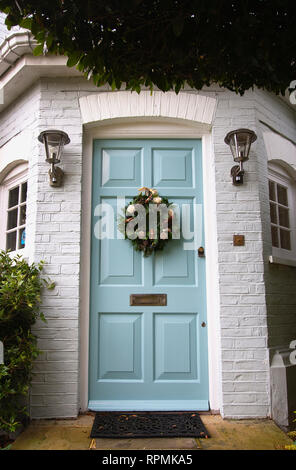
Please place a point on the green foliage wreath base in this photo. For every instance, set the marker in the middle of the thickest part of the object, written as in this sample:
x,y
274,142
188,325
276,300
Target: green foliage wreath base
x,y
146,243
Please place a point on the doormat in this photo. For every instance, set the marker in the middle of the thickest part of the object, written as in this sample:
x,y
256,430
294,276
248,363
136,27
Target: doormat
x,y
148,424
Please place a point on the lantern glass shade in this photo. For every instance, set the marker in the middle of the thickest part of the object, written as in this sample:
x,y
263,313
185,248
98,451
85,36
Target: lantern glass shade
x,y
54,142
240,143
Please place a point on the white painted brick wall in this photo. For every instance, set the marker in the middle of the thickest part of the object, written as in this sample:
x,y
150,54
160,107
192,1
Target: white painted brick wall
x,y
245,379
54,224
56,379
55,390
279,279
22,115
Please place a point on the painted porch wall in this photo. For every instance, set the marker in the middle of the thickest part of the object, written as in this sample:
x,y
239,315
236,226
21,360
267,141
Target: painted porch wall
x,y
245,365
19,124
54,223
280,280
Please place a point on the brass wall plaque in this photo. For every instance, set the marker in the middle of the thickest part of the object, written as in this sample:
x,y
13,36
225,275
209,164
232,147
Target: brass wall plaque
x,y
238,240
148,299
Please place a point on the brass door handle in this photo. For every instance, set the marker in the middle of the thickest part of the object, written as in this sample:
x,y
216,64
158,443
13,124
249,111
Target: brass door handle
x,y
201,252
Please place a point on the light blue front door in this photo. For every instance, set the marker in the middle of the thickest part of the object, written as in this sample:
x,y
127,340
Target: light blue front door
x,y
151,357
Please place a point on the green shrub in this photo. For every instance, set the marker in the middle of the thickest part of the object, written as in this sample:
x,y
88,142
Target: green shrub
x,y
292,435
20,298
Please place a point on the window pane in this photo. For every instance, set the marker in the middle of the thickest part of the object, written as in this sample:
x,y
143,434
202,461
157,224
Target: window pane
x,y
284,217
282,195
11,241
12,219
23,214
24,192
274,237
22,238
273,213
271,190
13,197
285,239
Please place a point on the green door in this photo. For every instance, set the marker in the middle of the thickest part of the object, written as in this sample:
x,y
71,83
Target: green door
x,y
151,357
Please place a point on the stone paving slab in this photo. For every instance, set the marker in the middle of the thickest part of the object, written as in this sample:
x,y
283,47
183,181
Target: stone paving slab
x,y
176,443
74,434
261,434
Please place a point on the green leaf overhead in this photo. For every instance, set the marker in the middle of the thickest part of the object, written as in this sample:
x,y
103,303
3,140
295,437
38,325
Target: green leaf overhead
x,y
167,43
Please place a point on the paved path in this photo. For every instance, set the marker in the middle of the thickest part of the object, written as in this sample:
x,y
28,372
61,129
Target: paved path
x,y
74,434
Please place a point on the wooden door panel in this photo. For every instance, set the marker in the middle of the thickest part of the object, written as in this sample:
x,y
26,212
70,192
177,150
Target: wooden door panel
x,y
147,357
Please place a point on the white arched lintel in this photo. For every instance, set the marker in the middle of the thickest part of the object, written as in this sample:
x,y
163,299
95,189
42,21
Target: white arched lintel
x,y
15,151
180,107
278,164
12,168
280,150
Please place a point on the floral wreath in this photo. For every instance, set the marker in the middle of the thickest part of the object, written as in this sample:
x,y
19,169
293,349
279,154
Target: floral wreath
x,y
148,240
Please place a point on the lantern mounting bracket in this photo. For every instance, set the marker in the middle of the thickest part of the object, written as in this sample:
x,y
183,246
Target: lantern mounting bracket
x,y
56,176
237,174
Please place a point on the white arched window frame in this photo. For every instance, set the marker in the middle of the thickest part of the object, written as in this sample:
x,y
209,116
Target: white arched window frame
x,y
13,209
282,196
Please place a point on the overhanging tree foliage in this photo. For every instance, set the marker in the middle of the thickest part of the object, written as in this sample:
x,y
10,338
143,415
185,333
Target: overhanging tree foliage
x,y
166,43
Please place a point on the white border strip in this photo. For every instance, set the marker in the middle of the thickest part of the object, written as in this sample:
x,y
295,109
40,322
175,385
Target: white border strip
x,y
150,130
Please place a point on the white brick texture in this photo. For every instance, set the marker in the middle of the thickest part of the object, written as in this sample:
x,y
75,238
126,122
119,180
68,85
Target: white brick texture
x,y
279,279
248,325
244,363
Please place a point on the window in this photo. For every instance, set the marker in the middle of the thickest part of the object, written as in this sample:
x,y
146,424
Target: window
x,y
279,216
282,213
13,199
16,217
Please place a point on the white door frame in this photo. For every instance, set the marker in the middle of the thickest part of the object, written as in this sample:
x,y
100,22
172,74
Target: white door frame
x,y
157,127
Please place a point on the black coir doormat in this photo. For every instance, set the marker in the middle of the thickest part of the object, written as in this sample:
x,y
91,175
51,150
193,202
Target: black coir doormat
x,y
147,424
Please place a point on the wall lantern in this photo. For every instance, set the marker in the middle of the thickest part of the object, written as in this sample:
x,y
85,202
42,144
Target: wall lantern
x,y
54,142
240,142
